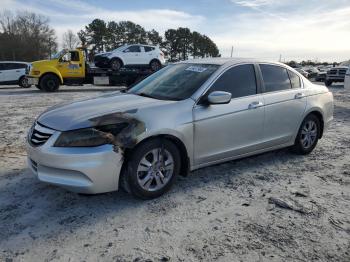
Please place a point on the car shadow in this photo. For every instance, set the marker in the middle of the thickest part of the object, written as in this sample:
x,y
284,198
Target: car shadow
x,y
36,210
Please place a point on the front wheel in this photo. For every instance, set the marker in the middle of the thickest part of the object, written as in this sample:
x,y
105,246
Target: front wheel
x,y
308,135
49,83
152,169
115,64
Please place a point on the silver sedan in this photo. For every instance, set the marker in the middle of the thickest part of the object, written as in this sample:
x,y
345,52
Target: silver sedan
x,y
188,115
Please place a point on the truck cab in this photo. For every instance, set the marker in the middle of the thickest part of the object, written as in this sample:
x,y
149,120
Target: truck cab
x,y
66,67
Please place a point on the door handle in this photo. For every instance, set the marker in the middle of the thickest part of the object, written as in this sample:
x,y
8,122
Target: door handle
x,y
299,95
255,104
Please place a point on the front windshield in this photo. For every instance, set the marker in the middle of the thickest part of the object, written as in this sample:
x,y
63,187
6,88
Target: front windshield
x,y
174,82
59,54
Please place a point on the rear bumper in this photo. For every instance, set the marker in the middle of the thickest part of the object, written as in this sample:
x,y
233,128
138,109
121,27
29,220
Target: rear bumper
x,y
89,170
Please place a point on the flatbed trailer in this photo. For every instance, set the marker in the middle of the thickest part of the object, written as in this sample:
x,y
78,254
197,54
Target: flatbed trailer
x,y
70,67
123,77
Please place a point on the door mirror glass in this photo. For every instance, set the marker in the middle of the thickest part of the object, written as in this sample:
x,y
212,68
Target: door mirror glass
x,y
219,97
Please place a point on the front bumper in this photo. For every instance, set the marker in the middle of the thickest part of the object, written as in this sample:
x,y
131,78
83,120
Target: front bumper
x,y
89,170
32,80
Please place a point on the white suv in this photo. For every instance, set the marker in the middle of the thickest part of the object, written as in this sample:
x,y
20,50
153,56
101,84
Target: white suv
x,y
13,73
131,55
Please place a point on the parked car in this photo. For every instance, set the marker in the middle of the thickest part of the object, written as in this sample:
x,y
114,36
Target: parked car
x,y
186,116
131,55
336,74
312,72
347,79
13,73
303,72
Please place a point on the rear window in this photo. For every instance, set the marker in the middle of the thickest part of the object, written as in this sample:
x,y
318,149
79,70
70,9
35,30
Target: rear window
x,y
275,78
294,79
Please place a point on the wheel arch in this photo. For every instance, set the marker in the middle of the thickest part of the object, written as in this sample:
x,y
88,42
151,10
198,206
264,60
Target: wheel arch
x,y
318,113
185,160
117,58
52,73
154,59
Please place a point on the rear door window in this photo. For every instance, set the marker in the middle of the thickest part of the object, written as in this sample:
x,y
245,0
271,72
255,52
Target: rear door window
x,y
148,48
275,78
294,79
240,81
133,49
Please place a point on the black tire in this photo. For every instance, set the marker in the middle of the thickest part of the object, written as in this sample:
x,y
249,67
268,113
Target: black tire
x,y
38,86
299,146
328,83
115,64
23,82
130,180
49,83
155,65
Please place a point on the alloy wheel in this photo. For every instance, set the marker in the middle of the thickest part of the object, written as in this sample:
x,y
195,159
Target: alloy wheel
x,y
155,169
308,134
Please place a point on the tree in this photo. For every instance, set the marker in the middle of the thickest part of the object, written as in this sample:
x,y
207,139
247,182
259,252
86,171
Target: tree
x,y
96,33
70,40
154,38
26,36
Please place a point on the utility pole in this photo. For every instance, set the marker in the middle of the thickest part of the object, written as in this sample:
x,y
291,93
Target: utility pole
x,y
280,60
231,51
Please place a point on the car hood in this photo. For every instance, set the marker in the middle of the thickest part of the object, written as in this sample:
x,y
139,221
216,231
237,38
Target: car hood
x,y
88,113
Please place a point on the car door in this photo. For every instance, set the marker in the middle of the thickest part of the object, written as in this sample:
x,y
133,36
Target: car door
x,y
70,65
7,72
18,70
132,55
2,72
285,103
149,54
233,129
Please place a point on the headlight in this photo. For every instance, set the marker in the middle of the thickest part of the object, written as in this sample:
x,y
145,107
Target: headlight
x,y
89,137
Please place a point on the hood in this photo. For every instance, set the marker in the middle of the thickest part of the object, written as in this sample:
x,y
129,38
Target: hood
x,y
86,113
46,62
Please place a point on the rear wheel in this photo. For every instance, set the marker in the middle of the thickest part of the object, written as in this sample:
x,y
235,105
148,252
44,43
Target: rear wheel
x,y
308,135
152,169
115,64
23,82
155,65
49,83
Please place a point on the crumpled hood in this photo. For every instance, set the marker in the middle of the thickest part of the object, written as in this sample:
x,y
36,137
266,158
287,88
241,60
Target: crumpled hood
x,y
83,114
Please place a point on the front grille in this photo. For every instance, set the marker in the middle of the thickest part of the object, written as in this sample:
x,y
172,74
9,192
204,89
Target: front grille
x,y
342,71
39,134
34,165
333,72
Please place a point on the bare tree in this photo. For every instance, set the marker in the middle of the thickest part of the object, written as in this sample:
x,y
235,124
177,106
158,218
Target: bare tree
x,y
70,40
25,36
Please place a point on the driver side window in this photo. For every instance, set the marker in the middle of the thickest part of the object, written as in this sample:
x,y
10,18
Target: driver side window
x,y
240,81
66,57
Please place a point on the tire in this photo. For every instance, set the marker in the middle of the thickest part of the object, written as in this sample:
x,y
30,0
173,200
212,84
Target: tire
x,y
38,86
328,82
115,64
155,65
308,135
23,82
49,83
146,177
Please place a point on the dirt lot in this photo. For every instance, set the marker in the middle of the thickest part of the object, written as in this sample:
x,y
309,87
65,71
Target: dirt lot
x,y
272,207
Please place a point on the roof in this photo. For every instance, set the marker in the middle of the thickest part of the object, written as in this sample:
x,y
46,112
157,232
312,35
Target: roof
x,y
16,62
225,61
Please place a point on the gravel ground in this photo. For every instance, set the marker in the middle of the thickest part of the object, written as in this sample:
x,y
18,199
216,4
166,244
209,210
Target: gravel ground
x,y
272,207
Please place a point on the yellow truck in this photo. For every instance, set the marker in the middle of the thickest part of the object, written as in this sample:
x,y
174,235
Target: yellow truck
x,y
70,67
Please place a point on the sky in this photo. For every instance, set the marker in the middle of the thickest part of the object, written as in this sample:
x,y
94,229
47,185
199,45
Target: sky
x,y
293,29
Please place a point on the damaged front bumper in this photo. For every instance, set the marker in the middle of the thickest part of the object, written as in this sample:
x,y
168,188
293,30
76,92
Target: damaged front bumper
x,y
89,170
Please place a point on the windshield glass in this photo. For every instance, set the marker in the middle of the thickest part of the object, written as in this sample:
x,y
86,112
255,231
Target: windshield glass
x,y
174,82
59,54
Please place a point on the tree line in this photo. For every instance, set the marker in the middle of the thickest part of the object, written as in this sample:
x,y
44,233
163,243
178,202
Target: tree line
x,y
28,36
179,44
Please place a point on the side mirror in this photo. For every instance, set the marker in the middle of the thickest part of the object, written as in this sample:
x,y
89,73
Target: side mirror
x,y
219,97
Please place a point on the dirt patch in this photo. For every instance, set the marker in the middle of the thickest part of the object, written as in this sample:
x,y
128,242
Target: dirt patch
x,y
272,207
